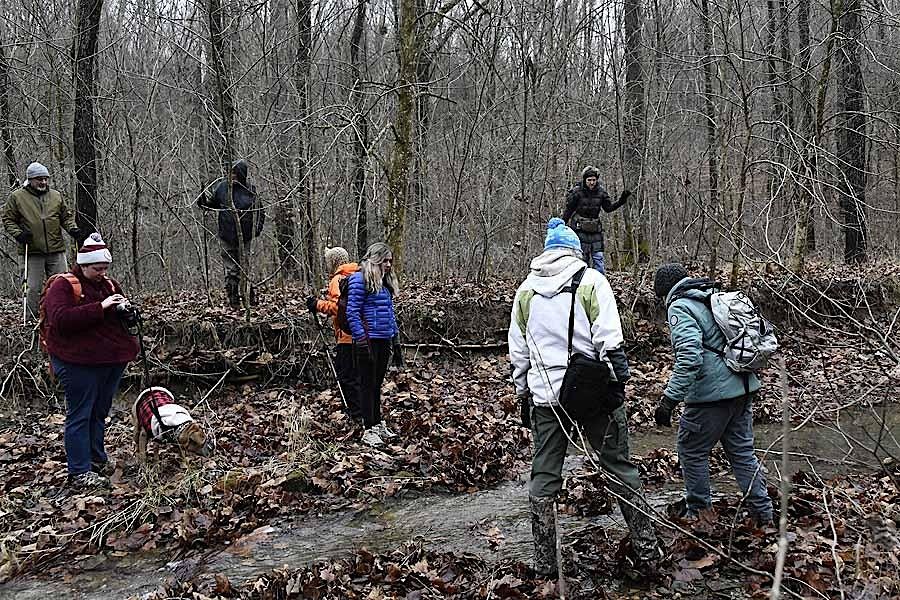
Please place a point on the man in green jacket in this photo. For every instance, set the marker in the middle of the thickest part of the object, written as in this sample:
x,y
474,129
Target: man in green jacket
x,y
718,401
35,216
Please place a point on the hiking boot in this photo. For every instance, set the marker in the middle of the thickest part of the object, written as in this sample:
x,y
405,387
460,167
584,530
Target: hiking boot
x,y
106,469
385,433
88,481
543,530
641,570
371,438
762,521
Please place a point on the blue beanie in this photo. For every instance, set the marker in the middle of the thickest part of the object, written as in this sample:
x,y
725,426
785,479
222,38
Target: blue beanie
x,y
560,236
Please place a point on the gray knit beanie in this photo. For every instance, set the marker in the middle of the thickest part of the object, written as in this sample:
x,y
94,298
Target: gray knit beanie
x,y
335,257
666,277
36,169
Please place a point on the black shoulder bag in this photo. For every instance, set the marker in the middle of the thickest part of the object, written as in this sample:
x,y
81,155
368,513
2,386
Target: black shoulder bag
x,y
585,387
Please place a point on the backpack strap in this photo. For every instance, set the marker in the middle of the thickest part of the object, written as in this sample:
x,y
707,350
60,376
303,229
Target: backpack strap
x,y
573,289
73,280
707,302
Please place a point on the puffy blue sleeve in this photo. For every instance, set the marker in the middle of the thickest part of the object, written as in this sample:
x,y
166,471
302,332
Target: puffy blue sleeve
x,y
356,295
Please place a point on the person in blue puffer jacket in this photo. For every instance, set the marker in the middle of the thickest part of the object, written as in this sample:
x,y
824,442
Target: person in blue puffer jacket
x,y
373,325
718,401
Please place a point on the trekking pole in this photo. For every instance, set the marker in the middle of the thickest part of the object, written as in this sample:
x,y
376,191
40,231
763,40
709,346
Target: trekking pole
x,y
25,289
329,361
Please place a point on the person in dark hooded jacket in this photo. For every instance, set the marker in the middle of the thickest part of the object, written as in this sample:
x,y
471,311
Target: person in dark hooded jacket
x,y
582,214
245,211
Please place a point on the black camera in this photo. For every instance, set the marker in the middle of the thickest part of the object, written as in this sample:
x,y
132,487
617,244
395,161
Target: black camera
x,y
129,315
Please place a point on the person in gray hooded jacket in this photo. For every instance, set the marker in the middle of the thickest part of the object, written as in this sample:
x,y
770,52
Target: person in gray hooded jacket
x,y
718,401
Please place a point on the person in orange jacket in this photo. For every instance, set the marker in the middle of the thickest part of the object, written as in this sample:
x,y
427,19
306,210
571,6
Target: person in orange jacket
x,y
338,265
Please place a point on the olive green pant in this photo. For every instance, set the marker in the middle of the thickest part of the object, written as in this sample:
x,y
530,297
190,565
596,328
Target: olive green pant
x,y
608,436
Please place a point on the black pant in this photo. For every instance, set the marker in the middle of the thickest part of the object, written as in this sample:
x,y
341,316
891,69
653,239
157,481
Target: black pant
x,y
348,379
372,366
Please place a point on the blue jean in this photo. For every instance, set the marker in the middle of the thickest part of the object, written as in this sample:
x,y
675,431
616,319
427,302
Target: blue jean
x,y
89,393
731,423
592,256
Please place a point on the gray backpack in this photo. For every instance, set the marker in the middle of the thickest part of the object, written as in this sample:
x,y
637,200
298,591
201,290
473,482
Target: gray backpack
x,y
749,337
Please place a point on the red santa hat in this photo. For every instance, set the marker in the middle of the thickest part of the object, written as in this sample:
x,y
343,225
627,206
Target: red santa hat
x,y
93,250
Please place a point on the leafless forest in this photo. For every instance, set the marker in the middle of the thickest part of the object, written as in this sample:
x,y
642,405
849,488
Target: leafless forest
x,y
750,131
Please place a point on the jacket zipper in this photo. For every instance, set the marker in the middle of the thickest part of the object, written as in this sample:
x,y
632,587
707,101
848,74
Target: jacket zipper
x,y
44,224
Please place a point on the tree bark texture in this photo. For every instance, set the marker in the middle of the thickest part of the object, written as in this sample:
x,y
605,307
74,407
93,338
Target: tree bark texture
x,y
360,132
851,135
302,83
636,241
5,135
84,54
712,131
398,173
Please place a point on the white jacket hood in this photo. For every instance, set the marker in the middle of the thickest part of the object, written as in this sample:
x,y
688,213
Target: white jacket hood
x,y
538,331
553,270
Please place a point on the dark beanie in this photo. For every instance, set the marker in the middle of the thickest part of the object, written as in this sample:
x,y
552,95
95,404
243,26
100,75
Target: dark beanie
x,y
666,277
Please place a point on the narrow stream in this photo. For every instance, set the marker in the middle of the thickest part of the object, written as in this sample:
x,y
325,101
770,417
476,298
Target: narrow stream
x,y
456,523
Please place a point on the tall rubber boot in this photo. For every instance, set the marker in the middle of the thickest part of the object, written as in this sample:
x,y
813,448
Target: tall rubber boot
x,y
645,562
543,529
233,291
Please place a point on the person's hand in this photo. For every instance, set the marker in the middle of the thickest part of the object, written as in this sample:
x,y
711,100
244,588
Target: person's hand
x,y
525,409
74,233
361,349
114,300
397,352
616,393
311,303
24,237
624,196
663,414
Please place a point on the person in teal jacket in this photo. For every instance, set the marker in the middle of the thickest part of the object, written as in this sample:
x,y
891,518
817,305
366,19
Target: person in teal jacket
x,y
718,401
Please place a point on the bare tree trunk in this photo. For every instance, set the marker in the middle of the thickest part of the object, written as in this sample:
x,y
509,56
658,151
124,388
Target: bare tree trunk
x,y
851,136
779,108
84,54
221,67
712,132
807,160
398,174
360,134
136,206
301,80
635,127
5,136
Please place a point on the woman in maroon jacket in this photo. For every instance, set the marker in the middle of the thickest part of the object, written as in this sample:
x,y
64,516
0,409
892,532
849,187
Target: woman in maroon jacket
x,y
89,348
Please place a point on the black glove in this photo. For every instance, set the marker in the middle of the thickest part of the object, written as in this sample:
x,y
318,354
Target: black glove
x,y
311,303
75,232
663,414
525,409
397,352
616,393
624,196
24,237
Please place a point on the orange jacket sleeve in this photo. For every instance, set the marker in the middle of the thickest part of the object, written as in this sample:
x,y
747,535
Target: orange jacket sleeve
x,y
329,305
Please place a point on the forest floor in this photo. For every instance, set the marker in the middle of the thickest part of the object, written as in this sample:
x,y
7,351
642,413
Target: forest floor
x,y
290,471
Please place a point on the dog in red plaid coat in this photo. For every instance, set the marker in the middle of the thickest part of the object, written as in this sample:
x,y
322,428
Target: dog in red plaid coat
x,y
177,425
